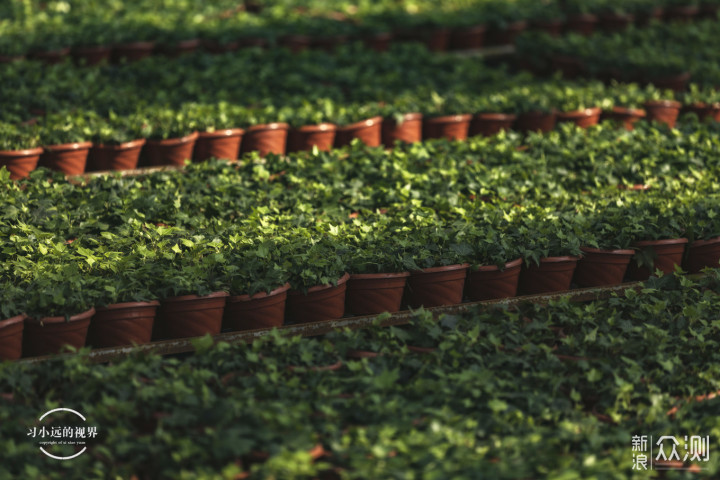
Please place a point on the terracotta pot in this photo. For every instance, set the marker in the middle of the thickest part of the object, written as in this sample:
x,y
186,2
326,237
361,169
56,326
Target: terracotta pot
x,y
51,57
20,162
132,51
582,118
615,22
179,48
602,267
507,35
323,302
626,116
552,27
328,44
216,47
172,151
570,67
266,138
584,24
122,324
306,137
11,337
262,310
368,131
115,157
409,131
436,286
676,83
218,144
451,127
644,18
190,316
11,58
69,158
701,254
47,335
488,282
380,42
536,122
91,55
554,274
468,38
703,110
681,13
374,293
437,40
252,42
708,11
663,111
489,124
668,254
296,43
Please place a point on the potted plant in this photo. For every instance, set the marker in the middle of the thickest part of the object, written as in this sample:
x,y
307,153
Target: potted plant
x,y
547,17
504,22
14,42
614,16
533,105
65,143
172,137
661,106
219,135
136,41
12,318
468,31
359,120
704,102
581,16
92,44
703,234
267,133
49,43
579,104
494,115
177,40
446,117
681,10
624,103
402,120
311,126
19,149
117,142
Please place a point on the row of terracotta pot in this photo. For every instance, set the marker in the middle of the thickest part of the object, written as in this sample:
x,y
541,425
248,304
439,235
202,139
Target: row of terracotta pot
x,y
279,138
362,294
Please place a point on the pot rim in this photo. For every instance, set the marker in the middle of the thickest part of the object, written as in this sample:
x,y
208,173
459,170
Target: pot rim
x,y
246,297
90,48
629,111
183,298
585,112
74,318
318,288
443,268
663,103
174,141
588,17
665,241
140,45
702,243
560,259
61,147
268,126
28,152
409,116
619,251
538,113
368,122
223,132
478,28
495,116
459,117
124,305
373,276
508,265
122,146
319,127
13,320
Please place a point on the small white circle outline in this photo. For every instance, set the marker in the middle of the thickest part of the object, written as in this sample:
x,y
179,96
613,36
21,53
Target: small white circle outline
x,y
63,410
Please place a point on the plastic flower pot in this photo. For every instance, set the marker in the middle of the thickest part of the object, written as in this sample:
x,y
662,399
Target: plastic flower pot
x,y
468,38
373,293
380,42
328,43
322,302
489,282
703,110
663,111
584,24
262,310
11,337
667,253
368,131
677,83
409,131
701,254
51,57
266,138
582,118
182,47
215,47
48,335
122,324
536,122
90,55
570,67
436,286
20,162
648,15
307,137
218,144
132,52
451,127
552,27
681,13
507,35
68,158
171,151
554,274
615,22
602,267
626,116
115,157
488,124
190,316
296,43
708,11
